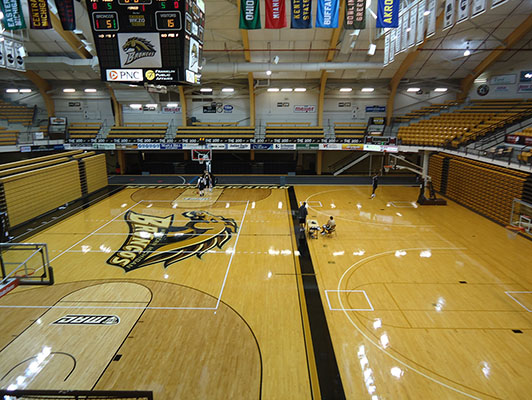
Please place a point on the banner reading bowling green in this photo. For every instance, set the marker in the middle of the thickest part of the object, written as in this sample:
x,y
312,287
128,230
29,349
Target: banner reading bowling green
x,y
13,17
327,14
39,14
249,14
355,14
65,9
301,14
388,14
275,14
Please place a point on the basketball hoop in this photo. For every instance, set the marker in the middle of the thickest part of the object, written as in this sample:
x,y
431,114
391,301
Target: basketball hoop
x,y
387,168
201,155
512,231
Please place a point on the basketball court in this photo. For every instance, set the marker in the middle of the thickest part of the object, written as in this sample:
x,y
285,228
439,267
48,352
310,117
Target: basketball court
x,y
203,297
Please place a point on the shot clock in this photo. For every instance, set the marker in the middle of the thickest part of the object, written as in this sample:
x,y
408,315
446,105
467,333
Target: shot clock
x,y
154,41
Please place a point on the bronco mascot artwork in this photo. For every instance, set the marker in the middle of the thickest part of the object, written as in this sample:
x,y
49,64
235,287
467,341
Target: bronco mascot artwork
x,y
137,47
153,239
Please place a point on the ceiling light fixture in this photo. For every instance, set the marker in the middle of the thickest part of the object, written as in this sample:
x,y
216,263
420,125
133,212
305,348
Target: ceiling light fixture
x,y
151,105
440,89
367,89
467,52
300,89
12,91
346,89
69,90
427,12
413,89
171,105
25,91
89,90
228,90
286,89
205,90
268,72
408,29
135,106
273,89
371,49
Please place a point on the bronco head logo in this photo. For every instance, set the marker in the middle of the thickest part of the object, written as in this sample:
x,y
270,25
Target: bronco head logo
x,y
136,48
154,239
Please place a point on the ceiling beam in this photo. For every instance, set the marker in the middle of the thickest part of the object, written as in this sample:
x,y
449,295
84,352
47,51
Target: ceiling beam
x,y
321,98
44,87
183,101
510,40
403,69
69,37
336,33
251,87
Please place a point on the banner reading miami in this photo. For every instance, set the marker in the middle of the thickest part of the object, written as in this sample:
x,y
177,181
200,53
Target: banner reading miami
x,y
249,14
327,14
275,14
13,17
388,14
301,14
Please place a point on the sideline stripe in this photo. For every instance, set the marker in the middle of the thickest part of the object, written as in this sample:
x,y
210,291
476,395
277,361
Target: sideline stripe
x,y
328,374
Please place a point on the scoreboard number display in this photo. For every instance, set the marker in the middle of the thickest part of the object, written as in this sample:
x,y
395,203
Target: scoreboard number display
x,y
152,41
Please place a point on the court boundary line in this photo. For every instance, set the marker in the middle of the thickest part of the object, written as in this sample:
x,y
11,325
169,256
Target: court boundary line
x,y
517,301
349,291
370,340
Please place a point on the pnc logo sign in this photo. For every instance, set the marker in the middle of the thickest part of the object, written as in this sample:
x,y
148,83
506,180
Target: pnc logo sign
x,y
120,75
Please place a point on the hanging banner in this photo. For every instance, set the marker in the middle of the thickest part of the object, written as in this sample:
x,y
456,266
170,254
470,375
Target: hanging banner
x,y
391,56
13,17
398,36
18,49
420,33
39,14
249,14
355,14
448,18
301,14
463,11
275,14
388,14
10,54
479,6
404,26
412,27
497,3
431,25
2,55
327,14
65,9
386,49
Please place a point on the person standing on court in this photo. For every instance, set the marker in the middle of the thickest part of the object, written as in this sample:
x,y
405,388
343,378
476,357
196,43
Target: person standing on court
x,y
303,212
375,181
202,184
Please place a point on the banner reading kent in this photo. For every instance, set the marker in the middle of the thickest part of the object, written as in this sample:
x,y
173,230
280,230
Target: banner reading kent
x,y
327,14
39,14
388,14
301,14
13,17
249,14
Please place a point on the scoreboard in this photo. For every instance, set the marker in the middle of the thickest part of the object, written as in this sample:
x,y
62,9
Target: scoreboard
x,y
152,41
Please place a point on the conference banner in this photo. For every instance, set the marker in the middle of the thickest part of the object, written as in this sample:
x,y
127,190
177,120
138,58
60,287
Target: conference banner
x,y
463,11
2,55
391,56
301,14
355,14
386,49
388,13
65,9
249,14
448,18
327,14
39,14
497,3
404,33
13,17
420,32
275,14
479,6
411,41
431,25
398,36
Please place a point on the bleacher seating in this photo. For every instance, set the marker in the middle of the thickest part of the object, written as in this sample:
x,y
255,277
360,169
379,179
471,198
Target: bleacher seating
x,y
15,114
139,130
8,137
433,108
350,130
293,130
84,130
215,130
466,124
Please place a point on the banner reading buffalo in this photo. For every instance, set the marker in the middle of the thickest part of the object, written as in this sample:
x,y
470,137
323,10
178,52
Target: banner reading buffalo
x,y
249,14
13,17
327,14
355,14
301,14
388,14
65,9
39,14
275,14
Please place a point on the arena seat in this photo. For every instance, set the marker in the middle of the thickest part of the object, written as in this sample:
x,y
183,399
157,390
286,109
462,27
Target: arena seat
x,y
283,130
139,130
350,130
84,130
16,114
215,130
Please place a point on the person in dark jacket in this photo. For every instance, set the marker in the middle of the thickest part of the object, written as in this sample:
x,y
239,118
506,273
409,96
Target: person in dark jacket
x,y
303,212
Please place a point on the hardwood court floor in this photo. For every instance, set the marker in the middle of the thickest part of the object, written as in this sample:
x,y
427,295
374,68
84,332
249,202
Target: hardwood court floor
x,y
419,301
229,324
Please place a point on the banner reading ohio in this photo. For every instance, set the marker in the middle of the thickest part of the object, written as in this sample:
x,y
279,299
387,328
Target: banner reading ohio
x,y
249,14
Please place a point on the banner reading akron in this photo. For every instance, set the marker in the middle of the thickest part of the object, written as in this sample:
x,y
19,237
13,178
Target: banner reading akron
x,y
388,14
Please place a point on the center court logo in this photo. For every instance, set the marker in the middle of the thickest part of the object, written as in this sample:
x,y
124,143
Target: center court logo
x,y
153,239
88,320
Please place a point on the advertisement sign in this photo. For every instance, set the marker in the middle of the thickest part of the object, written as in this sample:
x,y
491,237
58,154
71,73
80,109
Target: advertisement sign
x,y
284,146
503,79
238,146
262,146
379,109
525,88
330,146
353,146
305,109
124,75
525,76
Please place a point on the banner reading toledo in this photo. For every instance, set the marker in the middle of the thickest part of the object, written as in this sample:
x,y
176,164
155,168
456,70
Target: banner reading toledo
x,y
249,14
388,14
327,14
301,14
